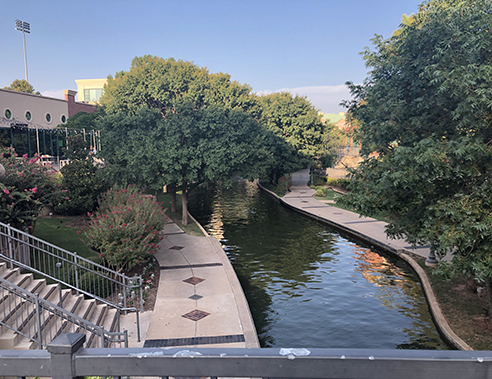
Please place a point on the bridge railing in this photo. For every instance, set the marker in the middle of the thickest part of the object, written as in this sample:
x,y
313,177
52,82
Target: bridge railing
x,y
65,358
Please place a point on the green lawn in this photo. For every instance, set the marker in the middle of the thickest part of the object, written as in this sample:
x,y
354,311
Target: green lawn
x,y
192,229
56,231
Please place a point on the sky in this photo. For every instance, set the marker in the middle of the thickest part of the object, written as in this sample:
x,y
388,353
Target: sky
x,y
306,47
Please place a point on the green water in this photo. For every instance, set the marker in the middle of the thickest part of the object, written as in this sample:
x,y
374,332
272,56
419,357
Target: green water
x,y
309,286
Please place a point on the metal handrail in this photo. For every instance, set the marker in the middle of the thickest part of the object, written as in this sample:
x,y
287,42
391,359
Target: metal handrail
x,y
21,249
41,321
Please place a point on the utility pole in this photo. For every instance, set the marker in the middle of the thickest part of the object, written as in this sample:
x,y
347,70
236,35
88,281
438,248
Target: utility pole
x,y
23,27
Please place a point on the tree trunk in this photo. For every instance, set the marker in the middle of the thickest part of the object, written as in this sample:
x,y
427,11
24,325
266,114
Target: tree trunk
x,y
172,190
184,202
274,179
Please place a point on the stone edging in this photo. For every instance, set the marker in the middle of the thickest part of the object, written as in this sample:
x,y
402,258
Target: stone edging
x,y
434,307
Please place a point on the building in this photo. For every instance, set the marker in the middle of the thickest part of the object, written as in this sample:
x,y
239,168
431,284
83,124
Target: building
x,y
29,122
343,124
35,111
90,90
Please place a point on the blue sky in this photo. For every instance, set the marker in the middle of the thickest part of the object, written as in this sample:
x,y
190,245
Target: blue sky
x,y
307,47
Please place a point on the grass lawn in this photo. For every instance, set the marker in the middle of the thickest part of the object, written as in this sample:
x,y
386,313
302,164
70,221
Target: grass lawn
x,y
192,229
60,232
464,310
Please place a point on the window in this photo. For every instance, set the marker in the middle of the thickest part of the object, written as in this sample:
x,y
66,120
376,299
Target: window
x,y
48,118
92,95
28,116
8,114
63,119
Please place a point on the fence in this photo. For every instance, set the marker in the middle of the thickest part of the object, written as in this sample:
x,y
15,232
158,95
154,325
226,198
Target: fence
x,y
40,321
65,358
23,250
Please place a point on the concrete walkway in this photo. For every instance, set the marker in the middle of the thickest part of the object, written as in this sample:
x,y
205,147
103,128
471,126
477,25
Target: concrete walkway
x,y
369,229
199,301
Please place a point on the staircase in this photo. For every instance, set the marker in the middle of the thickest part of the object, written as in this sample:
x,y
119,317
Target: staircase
x,y
85,297
33,313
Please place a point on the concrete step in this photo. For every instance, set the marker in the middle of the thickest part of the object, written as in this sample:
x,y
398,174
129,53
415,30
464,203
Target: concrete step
x,y
21,314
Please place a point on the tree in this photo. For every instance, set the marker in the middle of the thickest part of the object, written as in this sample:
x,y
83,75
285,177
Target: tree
x,y
161,114
22,85
425,109
295,120
131,147
154,82
81,180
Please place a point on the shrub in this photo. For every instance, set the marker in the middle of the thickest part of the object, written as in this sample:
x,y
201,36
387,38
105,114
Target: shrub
x,y
320,191
342,182
318,181
284,183
126,229
25,189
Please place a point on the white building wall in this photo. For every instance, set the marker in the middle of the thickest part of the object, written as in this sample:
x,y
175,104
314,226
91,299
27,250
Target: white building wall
x,y
41,109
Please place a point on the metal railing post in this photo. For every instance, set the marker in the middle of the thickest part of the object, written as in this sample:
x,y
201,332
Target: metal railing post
x,y
141,294
76,261
38,322
138,325
126,337
62,349
11,256
60,294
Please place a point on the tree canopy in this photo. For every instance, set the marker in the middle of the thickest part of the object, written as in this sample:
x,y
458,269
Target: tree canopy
x,y
294,119
171,122
160,83
426,110
22,85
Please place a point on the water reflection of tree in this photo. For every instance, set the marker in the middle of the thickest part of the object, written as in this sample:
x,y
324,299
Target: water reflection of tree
x,y
398,289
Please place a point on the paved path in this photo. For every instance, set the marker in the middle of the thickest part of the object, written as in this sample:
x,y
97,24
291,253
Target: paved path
x,y
368,228
199,301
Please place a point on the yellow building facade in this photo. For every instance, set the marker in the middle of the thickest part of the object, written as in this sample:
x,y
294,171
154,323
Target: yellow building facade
x,y
90,90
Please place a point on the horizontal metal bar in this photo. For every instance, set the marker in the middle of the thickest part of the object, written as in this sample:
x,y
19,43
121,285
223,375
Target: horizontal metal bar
x,y
288,363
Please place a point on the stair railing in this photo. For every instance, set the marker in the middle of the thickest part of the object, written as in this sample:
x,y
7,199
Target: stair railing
x,y
115,289
41,321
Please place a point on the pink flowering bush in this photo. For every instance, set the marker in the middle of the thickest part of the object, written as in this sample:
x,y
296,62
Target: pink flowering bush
x,y
25,189
284,184
126,229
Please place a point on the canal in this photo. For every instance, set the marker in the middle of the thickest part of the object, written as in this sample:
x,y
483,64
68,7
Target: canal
x,y
307,285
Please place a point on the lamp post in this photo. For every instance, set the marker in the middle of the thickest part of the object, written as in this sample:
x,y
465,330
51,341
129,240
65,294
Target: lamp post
x,y
23,27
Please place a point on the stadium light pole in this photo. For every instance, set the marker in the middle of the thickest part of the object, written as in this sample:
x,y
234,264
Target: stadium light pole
x,y
23,27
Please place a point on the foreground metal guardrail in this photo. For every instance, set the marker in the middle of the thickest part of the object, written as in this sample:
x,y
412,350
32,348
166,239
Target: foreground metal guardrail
x,y
41,321
65,358
20,249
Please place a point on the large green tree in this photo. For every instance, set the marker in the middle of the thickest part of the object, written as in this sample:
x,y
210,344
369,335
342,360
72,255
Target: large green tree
x,y
294,119
426,109
22,85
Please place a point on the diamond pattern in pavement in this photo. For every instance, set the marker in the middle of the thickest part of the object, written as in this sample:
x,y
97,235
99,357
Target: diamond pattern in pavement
x,y
194,280
195,315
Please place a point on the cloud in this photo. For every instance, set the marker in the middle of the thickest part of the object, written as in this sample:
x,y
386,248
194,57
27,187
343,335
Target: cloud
x,y
325,98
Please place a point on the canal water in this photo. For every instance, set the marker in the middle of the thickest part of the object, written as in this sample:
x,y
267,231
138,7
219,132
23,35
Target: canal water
x,y
309,286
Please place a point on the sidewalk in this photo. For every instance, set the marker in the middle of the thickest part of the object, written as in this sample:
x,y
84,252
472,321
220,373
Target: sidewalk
x,y
369,229
199,301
